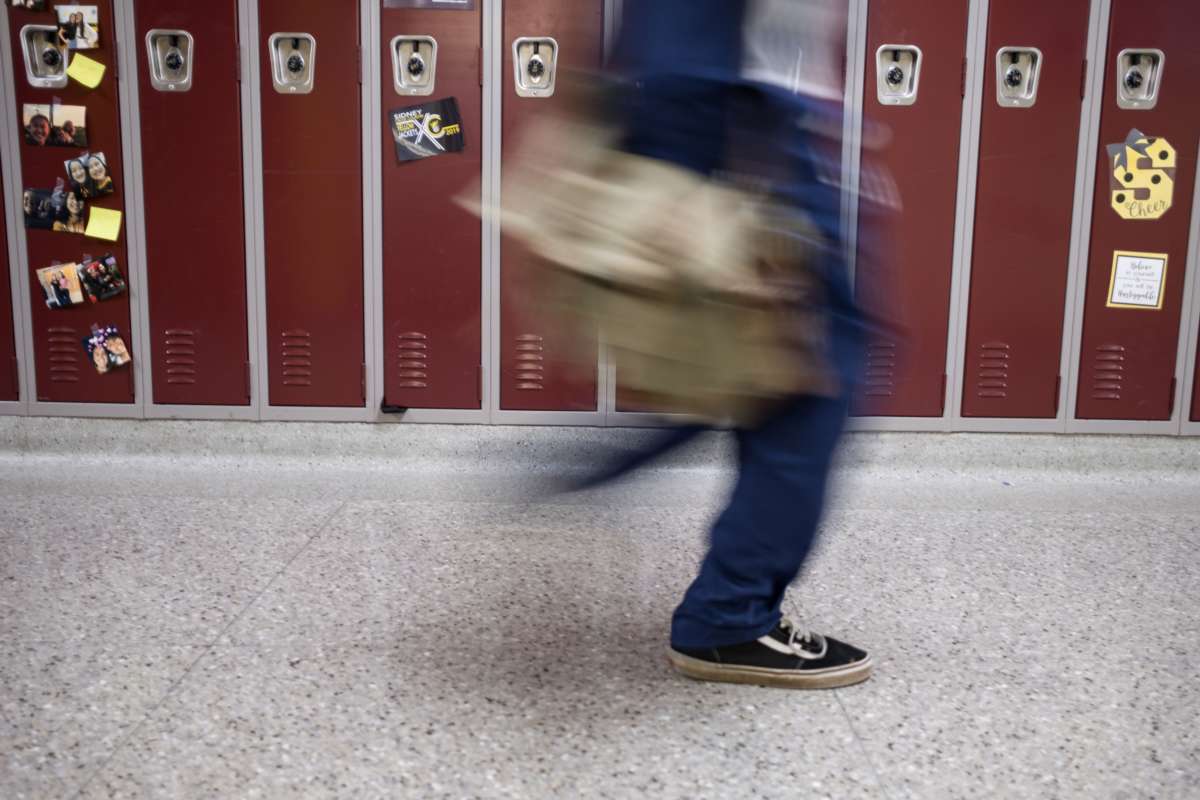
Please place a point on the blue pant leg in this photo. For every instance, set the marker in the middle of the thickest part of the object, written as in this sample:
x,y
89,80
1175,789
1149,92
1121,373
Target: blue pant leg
x,y
761,539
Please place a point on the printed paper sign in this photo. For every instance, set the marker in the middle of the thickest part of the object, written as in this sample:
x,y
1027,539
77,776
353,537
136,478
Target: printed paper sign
x,y
429,129
1138,280
1142,176
458,5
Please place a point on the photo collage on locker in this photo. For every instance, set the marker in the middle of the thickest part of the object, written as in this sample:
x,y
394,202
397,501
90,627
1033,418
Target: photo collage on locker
x,y
72,202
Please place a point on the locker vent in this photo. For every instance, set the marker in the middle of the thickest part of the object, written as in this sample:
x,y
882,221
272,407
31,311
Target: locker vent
x,y
530,367
413,361
180,348
66,346
1108,372
992,379
297,358
880,380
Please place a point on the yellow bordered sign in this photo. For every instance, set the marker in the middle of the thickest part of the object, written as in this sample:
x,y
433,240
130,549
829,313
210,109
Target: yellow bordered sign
x,y
1138,280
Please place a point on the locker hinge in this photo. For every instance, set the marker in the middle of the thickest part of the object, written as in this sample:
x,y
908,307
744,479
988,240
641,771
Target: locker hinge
x,y
16,374
1171,400
479,61
237,63
360,67
1057,393
249,383
945,383
116,61
479,388
962,83
1083,80
363,383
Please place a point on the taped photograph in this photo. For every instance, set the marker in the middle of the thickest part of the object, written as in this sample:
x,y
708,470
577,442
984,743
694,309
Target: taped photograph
x,y
106,349
62,285
72,217
78,27
101,279
41,208
89,176
55,125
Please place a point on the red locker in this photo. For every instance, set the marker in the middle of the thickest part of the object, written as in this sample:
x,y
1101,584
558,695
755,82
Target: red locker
x,y
312,201
540,367
9,379
1128,354
432,247
189,93
1195,415
905,373
63,372
1029,138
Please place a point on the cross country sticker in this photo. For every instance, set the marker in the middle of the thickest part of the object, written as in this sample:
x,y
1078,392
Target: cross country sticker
x,y
430,129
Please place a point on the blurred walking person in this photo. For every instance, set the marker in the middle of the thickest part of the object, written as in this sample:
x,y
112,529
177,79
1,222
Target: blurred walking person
x,y
690,211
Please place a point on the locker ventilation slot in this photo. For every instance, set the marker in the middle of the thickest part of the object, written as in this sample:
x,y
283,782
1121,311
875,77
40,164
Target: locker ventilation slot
x,y
180,350
1108,372
66,346
297,358
880,380
530,370
992,380
413,361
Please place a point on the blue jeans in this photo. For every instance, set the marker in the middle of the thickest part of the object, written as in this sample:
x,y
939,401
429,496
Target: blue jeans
x,y
761,539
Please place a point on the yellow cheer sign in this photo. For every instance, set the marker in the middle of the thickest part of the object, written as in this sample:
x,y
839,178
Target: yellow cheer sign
x,y
1143,176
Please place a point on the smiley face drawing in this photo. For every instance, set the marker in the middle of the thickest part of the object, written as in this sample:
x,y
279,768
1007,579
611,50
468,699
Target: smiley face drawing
x,y
1142,180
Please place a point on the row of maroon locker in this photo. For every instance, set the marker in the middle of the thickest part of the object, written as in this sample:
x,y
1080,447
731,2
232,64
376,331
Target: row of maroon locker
x,y
1040,82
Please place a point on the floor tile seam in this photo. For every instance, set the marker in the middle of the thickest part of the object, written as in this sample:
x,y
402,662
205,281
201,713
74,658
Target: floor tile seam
x,y
451,465
206,650
864,749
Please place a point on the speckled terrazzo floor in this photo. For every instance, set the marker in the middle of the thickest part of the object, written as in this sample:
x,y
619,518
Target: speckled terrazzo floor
x,y
260,611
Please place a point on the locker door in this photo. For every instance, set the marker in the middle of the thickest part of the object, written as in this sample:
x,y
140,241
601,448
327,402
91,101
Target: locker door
x,y
915,55
189,96
541,369
1127,356
64,373
1029,138
1195,415
312,201
9,381
432,248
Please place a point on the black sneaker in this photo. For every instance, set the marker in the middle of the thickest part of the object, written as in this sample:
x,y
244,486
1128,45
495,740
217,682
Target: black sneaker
x,y
786,657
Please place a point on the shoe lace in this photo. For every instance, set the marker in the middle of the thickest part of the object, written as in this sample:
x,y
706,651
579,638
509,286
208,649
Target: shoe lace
x,y
798,637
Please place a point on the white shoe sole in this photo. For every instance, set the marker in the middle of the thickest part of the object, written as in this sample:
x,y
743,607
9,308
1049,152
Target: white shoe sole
x,y
828,678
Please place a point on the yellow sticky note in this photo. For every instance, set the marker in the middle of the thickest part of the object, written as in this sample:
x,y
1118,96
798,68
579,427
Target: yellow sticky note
x,y
86,70
104,223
